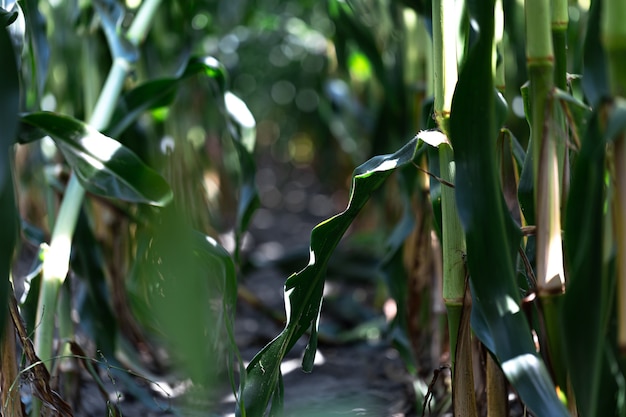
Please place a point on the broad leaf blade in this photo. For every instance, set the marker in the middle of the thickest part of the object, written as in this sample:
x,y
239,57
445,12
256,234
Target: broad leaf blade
x,y
9,107
492,236
102,164
191,280
588,298
595,82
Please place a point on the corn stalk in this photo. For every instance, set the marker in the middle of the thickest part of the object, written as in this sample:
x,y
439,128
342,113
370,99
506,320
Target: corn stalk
x,y
57,255
445,40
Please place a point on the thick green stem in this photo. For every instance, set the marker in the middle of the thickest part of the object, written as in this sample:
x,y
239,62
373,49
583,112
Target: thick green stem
x,y
445,40
445,33
56,260
540,59
453,244
560,20
141,23
548,158
500,79
614,40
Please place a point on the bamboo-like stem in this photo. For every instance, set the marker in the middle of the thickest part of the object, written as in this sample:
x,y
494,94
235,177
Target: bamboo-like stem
x,y
500,79
558,184
445,40
141,23
463,391
540,61
445,30
57,255
560,21
453,243
614,40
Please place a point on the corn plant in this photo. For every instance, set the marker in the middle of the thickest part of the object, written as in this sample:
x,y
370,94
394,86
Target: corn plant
x,y
175,265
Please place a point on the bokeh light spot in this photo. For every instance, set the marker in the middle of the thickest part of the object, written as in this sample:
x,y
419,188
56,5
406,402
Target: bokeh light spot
x,y
360,68
283,92
307,100
301,149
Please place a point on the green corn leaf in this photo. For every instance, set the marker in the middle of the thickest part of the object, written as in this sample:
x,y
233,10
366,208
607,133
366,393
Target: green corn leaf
x,y
595,82
161,92
38,44
242,128
9,97
191,291
96,317
587,302
303,290
492,236
102,164
9,107
509,167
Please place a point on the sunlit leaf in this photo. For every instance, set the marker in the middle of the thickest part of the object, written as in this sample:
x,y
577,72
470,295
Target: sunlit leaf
x,y
492,236
243,120
102,164
303,290
242,127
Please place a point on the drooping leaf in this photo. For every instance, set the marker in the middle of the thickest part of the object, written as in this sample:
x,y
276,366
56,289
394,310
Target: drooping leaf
x,y
102,164
9,107
492,236
303,290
